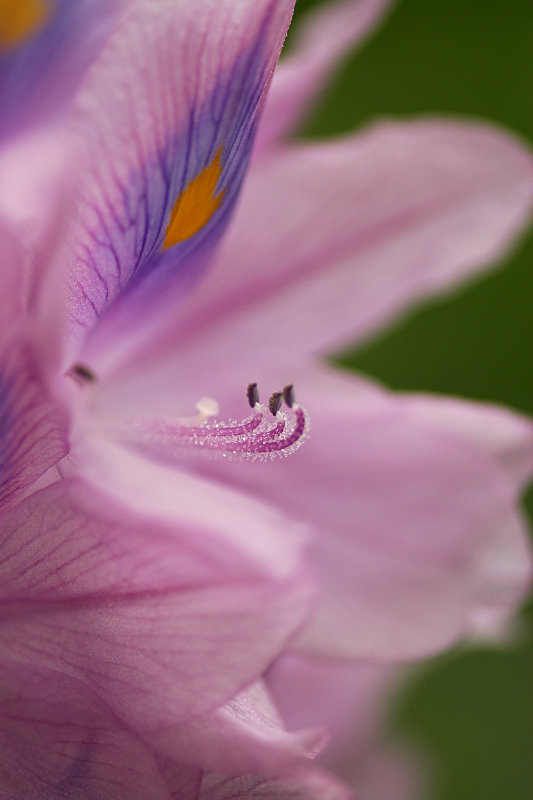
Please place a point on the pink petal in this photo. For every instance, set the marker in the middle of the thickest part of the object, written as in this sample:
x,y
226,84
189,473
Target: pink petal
x,y
245,736
305,784
352,700
32,189
229,520
176,92
153,621
11,278
59,740
344,697
33,428
333,240
419,540
31,167
501,433
322,39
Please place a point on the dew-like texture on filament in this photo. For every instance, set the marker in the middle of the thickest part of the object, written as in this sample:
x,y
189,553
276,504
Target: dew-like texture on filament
x,y
268,433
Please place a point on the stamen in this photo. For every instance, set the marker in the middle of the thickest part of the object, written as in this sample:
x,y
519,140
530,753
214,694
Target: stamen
x,y
257,437
275,403
252,393
81,374
288,395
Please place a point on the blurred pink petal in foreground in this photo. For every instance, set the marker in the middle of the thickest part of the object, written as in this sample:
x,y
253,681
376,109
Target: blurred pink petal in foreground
x,y
170,582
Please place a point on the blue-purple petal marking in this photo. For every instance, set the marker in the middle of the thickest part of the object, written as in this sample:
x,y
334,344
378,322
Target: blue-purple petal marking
x,y
120,254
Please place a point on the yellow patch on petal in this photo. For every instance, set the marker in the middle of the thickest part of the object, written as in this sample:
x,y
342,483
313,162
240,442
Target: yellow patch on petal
x,y
196,204
20,19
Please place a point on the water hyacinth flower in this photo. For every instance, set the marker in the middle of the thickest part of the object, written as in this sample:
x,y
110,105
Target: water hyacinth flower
x,y
157,556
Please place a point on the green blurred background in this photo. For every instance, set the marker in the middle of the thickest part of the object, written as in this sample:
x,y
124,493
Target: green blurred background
x,y
471,711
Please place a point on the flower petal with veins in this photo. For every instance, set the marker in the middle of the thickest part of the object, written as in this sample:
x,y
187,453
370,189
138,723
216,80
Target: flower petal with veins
x,y
148,616
303,784
407,210
246,736
33,428
59,740
159,109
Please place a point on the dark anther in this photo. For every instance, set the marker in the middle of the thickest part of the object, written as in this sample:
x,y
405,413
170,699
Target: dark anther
x,y
288,395
83,372
275,402
252,394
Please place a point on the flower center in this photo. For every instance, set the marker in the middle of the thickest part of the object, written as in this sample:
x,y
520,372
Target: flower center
x,y
269,432
272,430
81,374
